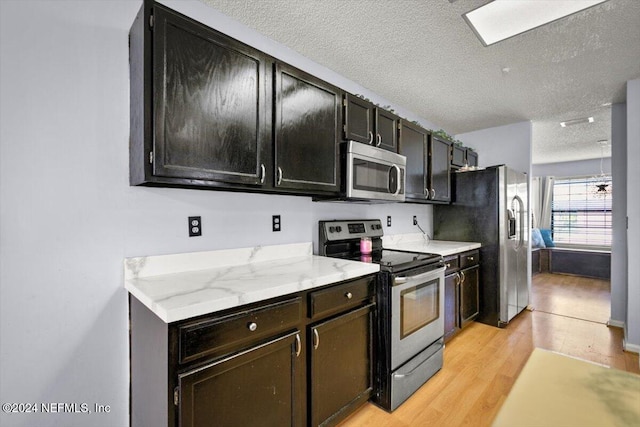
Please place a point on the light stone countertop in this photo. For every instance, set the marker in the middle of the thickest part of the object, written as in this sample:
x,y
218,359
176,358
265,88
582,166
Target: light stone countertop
x,y
416,242
182,286
557,390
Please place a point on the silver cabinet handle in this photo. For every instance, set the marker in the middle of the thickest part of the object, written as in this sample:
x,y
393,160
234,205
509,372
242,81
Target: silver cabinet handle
x,y
349,295
262,173
316,339
426,190
298,345
279,181
458,278
462,277
252,326
370,138
433,194
378,140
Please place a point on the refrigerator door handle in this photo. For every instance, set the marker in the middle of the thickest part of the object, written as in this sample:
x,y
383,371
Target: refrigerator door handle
x,y
511,215
521,222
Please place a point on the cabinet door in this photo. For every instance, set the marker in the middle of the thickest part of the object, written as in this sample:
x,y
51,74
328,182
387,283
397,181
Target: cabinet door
x,y
413,145
358,119
451,304
440,170
386,130
210,103
307,131
458,156
472,157
253,388
469,294
341,365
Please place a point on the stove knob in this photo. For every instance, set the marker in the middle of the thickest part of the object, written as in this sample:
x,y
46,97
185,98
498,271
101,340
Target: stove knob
x,y
332,229
338,229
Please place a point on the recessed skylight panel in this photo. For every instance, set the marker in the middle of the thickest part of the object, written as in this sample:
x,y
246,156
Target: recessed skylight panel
x,y
501,19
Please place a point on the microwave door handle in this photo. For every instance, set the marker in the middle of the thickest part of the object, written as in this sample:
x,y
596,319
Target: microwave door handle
x,y
399,175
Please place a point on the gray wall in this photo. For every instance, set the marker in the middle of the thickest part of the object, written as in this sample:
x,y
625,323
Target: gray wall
x,y
633,213
69,216
577,168
619,265
509,145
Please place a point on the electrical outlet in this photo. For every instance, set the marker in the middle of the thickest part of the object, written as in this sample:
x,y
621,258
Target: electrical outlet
x,y
389,221
276,225
195,226
415,220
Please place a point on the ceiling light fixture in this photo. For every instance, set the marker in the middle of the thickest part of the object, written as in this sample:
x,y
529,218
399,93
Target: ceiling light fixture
x,y
577,121
602,183
501,19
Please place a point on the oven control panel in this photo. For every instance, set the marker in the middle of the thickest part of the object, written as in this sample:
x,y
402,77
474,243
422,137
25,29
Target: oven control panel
x,y
350,229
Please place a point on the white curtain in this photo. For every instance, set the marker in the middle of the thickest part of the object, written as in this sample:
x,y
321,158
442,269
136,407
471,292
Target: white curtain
x,y
546,197
541,195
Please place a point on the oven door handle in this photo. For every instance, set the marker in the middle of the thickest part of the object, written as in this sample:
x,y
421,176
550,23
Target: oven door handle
x,y
399,280
411,372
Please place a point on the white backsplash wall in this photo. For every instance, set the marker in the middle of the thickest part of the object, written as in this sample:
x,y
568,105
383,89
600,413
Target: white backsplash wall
x,y
238,220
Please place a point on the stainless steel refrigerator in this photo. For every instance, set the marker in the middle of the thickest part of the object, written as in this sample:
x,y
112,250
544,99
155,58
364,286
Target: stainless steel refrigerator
x,y
491,206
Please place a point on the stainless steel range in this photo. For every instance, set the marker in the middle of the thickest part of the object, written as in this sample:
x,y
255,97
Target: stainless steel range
x,y
410,332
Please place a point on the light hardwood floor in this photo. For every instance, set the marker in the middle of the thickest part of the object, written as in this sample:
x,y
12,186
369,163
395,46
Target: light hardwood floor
x,y
482,362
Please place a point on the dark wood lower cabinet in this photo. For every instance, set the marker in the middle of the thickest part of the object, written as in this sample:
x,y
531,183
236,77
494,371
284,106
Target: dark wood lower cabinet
x,y
461,291
341,365
469,295
253,388
301,359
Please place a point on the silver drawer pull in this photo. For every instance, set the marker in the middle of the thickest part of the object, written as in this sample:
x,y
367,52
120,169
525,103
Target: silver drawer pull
x,y
252,326
349,295
470,258
448,265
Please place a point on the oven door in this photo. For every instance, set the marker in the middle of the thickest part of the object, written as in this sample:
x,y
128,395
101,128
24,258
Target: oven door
x,y
374,174
417,304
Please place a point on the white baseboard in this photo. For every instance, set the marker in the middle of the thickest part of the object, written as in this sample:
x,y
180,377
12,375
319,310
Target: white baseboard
x,y
632,348
615,323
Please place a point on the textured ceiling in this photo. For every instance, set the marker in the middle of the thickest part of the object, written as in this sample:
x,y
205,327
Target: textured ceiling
x,y
423,57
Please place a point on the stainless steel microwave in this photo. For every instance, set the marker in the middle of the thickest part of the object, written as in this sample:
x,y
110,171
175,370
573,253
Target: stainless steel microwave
x,y
373,174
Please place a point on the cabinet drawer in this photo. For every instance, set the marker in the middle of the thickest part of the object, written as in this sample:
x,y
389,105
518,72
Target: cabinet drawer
x,y
341,297
452,263
467,259
230,333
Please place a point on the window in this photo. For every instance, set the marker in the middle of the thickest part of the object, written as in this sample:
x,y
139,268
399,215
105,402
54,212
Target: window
x,y
579,216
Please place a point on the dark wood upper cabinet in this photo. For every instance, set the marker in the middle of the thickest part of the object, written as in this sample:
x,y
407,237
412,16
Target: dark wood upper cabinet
x,y
366,123
439,176
386,130
208,102
472,157
358,119
413,145
308,116
428,173
461,157
458,156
